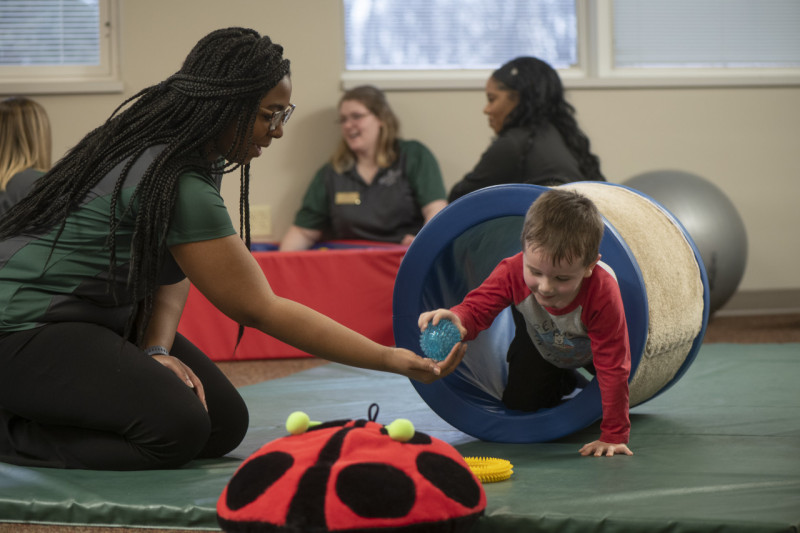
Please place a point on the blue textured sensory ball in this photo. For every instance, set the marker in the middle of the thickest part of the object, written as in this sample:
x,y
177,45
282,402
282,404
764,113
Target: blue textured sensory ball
x,y
437,341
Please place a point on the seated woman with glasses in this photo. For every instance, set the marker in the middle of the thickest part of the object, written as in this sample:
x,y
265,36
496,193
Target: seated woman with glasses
x,y
538,139
24,150
376,186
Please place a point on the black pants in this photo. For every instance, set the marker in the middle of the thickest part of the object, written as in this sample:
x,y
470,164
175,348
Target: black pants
x,y
76,395
533,382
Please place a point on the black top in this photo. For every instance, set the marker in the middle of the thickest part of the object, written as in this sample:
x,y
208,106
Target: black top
x,y
520,156
18,188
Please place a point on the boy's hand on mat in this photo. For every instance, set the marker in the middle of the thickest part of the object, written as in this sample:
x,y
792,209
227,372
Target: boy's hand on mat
x,y
185,374
427,370
599,448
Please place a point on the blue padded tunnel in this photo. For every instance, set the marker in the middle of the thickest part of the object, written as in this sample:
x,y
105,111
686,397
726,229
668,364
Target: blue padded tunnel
x,y
461,245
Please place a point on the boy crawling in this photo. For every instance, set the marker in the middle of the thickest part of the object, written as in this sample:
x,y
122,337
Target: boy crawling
x,y
568,313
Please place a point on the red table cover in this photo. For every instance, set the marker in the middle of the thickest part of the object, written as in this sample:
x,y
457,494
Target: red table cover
x,y
351,285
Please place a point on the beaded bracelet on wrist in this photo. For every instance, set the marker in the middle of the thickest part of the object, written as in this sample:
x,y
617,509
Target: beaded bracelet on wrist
x,y
156,350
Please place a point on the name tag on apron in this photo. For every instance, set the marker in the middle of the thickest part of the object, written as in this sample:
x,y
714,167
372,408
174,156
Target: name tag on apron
x,y
347,198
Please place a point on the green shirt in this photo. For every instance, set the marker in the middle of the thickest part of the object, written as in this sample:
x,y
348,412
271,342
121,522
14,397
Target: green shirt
x,y
40,283
344,206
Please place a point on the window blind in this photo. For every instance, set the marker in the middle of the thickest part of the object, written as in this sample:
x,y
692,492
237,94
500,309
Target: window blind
x,y
706,33
457,34
49,33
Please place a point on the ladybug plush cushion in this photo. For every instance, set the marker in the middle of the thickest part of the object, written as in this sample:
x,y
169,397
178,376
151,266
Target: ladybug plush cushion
x,y
352,476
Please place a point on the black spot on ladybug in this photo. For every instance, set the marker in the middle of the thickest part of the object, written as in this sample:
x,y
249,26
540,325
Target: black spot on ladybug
x,y
307,508
418,438
255,477
450,477
328,424
376,490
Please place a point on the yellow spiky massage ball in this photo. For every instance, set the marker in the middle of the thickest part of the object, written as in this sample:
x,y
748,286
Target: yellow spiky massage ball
x,y
490,469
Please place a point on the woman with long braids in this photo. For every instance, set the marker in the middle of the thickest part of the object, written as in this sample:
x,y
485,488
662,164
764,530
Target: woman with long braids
x,y
538,139
95,265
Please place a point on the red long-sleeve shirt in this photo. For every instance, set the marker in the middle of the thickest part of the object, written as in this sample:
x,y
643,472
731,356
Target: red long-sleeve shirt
x,y
592,328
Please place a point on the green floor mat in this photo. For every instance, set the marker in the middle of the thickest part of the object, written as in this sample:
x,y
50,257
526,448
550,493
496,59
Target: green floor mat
x,y
719,451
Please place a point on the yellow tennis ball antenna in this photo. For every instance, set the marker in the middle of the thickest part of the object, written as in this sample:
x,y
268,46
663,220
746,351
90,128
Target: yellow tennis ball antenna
x,y
401,430
298,423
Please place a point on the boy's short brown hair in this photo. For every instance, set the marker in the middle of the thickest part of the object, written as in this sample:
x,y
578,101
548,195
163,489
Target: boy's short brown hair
x,y
565,224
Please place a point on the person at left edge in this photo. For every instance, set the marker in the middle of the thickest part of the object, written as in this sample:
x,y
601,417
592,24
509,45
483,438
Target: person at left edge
x,y
25,148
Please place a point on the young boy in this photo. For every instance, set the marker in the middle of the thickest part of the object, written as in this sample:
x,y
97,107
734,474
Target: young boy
x,y
568,313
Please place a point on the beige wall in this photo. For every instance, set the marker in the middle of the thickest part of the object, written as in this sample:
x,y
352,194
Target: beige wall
x,y
745,140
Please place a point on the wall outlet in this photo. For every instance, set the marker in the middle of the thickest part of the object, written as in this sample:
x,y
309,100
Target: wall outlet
x,y
260,220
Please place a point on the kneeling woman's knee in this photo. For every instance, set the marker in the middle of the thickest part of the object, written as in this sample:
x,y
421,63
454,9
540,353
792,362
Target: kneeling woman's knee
x,y
176,437
227,432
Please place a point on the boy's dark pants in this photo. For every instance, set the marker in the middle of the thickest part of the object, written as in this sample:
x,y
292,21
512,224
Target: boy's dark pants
x,y
533,382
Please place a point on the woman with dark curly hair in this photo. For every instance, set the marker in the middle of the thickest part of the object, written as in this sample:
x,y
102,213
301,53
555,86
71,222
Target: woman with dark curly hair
x,y
95,266
538,139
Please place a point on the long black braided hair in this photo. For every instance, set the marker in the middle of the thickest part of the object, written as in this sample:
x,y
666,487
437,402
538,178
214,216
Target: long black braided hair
x,y
220,84
541,101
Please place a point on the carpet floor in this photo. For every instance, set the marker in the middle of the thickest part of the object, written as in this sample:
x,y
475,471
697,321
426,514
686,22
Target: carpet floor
x,y
740,329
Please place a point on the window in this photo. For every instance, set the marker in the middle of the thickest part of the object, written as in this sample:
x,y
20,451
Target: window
x,y
423,44
699,42
452,43
461,34
57,46
719,34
